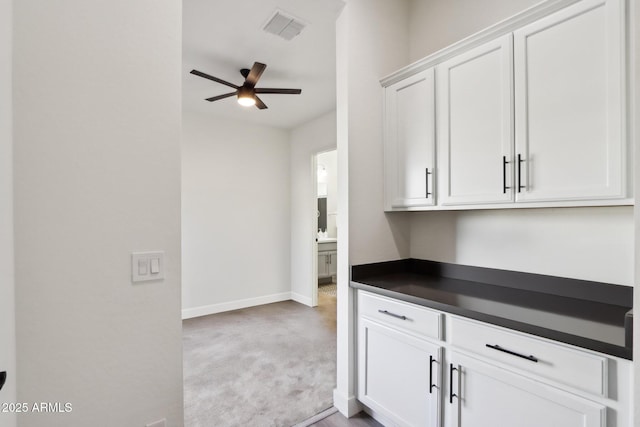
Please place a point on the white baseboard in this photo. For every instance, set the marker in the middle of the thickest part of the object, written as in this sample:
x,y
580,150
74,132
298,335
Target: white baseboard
x,y
348,406
205,310
301,299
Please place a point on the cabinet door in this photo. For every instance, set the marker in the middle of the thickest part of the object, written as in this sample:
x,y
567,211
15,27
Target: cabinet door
x,y
323,264
475,130
409,143
487,395
569,83
399,375
333,263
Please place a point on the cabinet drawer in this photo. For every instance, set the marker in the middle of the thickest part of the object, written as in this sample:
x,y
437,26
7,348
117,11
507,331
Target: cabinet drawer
x,y
410,317
557,362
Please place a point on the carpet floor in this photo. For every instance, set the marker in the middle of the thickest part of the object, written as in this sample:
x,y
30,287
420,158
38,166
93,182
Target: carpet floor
x,y
268,366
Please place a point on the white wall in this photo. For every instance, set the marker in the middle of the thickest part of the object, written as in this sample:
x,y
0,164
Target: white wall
x,y
329,160
97,176
371,42
435,24
379,46
7,315
306,140
235,215
589,244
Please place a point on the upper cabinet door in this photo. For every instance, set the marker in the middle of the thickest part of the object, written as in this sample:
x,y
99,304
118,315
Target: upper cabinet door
x,y
409,144
569,103
475,125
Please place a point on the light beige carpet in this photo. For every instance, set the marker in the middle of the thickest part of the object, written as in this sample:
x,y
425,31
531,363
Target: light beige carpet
x,y
267,366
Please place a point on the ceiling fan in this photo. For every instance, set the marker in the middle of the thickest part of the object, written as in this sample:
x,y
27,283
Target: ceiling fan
x,y
247,93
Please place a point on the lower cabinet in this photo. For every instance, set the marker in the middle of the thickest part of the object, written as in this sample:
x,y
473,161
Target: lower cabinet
x,y
399,375
327,264
482,395
333,263
419,367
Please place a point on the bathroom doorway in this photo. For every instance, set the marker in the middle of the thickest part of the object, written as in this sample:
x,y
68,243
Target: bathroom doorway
x,y
326,230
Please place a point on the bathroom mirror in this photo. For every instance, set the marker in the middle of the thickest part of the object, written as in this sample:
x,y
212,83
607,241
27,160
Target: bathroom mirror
x,y
322,213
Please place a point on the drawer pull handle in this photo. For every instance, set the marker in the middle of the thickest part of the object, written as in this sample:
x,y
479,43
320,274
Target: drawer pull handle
x,y
431,384
427,173
397,316
513,353
451,393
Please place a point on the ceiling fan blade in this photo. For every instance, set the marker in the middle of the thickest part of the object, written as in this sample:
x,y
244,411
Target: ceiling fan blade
x,y
215,79
261,105
254,74
285,91
216,98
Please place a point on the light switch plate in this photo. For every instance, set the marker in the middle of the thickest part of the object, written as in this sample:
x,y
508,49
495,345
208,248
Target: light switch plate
x,y
141,263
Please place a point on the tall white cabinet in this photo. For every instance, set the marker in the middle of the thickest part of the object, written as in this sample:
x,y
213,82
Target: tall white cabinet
x,y
569,103
529,113
410,141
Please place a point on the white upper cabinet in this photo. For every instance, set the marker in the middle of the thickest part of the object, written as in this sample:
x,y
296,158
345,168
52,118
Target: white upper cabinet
x,y
410,142
569,104
475,125
531,112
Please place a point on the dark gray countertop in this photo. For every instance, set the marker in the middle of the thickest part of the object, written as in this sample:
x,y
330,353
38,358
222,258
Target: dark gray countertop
x,y
591,315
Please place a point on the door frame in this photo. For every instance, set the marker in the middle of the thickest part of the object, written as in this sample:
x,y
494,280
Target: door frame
x,y
314,222
314,230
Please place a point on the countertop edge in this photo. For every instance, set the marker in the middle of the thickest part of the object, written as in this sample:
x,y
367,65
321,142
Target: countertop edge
x,y
540,283
575,340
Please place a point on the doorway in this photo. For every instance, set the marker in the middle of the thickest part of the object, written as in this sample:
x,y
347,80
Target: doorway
x,y
325,226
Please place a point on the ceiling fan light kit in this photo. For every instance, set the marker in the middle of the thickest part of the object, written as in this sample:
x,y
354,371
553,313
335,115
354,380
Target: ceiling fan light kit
x,y
247,92
246,97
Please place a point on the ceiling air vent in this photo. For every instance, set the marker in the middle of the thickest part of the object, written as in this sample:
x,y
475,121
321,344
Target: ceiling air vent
x,y
284,25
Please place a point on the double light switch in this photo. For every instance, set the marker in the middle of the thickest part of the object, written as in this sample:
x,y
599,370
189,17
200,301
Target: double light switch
x,y
147,266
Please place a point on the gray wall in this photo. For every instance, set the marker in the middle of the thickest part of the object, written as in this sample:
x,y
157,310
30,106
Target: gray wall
x,y
7,315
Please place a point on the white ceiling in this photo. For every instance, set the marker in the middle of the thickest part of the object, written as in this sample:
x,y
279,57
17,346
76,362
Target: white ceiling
x,y
222,36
